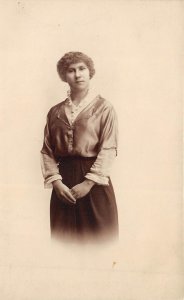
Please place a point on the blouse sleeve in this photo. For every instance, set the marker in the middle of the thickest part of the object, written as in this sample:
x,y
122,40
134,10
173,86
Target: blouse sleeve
x,y
100,170
49,165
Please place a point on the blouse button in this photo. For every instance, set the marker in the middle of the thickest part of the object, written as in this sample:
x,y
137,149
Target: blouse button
x,y
70,134
70,147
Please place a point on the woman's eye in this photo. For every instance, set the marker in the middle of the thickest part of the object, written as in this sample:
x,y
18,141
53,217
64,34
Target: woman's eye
x,y
82,68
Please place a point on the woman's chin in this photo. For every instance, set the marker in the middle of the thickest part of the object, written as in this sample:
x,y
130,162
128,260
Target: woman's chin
x,y
81,87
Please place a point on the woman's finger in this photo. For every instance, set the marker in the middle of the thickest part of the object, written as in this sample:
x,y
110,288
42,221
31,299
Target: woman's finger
x,y
74,193
69,196
68,200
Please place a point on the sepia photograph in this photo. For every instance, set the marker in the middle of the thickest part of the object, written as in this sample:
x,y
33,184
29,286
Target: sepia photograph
x,y
80,143
91,150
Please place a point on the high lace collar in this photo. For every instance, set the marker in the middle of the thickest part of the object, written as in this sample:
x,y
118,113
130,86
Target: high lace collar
x,y
74,110
81,104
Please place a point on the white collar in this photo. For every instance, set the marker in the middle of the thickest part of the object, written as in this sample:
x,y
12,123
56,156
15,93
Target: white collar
x,y
86,100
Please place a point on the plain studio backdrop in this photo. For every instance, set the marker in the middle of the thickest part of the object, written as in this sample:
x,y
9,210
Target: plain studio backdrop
x,y
137,50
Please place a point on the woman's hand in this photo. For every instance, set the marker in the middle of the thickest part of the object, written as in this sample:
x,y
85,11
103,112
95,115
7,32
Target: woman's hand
x,y
82,189
63,192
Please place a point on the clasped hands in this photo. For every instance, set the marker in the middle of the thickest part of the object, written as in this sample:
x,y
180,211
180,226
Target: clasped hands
x,y
69,196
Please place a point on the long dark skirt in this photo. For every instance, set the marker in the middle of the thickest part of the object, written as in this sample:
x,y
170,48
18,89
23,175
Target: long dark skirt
x,y
93,217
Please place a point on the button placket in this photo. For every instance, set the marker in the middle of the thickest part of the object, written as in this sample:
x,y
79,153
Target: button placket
x,y
70,139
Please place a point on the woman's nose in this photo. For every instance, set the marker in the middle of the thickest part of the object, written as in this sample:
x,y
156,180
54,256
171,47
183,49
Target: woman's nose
x,y
77,73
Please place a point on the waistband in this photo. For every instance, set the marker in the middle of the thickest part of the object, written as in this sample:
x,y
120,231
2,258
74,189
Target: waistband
x,y
71,158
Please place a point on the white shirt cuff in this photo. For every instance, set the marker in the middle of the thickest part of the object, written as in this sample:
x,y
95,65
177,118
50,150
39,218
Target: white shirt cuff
x,y
101,180
48,181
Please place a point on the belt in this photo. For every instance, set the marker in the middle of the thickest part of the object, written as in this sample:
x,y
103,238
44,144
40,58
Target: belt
x,y
76,157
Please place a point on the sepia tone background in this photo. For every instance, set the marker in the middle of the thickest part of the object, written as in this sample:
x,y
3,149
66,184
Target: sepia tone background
x,y
137,47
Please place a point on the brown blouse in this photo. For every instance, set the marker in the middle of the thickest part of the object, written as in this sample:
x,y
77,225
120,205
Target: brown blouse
x,y
92,134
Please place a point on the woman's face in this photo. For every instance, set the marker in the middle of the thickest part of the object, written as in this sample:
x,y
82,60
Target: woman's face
x,y
77,76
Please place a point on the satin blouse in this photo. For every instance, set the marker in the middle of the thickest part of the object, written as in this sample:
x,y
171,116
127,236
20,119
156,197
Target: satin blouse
x,y
92,134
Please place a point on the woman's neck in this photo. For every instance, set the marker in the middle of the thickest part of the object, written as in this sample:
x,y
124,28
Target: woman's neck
x,y
78,96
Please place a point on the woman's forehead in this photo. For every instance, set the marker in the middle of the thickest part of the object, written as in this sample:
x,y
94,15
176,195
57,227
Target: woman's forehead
x,y
77,64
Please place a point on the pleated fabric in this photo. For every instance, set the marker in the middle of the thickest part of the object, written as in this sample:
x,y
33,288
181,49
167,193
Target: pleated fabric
x,y
93,218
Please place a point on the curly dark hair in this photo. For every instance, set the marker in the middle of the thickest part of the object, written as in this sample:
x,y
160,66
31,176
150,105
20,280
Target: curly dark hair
x,y
71,58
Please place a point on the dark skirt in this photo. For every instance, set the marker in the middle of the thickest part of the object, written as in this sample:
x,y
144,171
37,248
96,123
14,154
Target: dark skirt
x,y
93,217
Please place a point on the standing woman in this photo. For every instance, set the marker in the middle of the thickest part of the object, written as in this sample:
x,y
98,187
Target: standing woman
x,y
80,144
